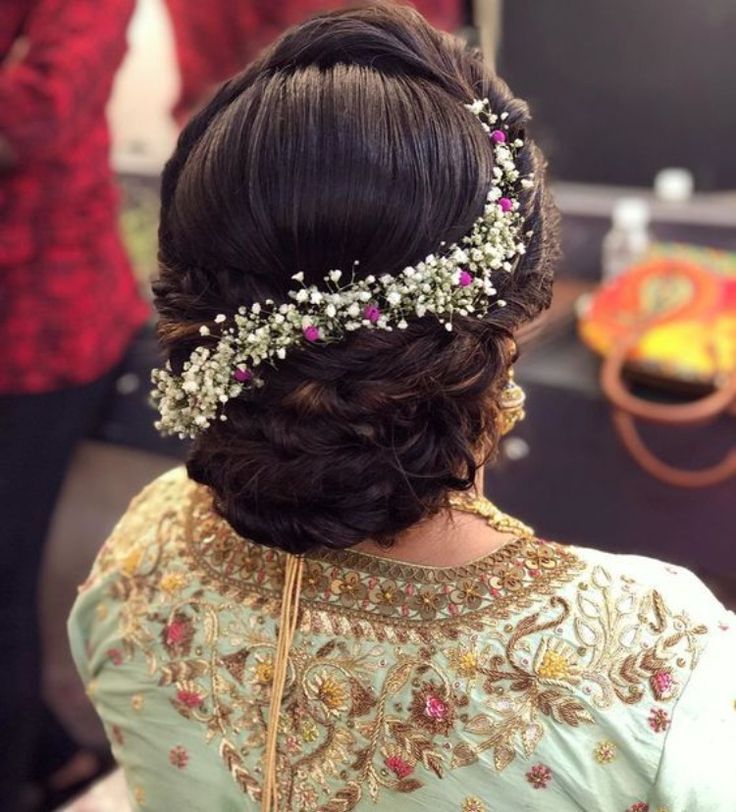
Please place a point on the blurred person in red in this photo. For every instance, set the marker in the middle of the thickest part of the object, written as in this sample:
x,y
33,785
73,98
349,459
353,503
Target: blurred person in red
x,y
214,40
69,308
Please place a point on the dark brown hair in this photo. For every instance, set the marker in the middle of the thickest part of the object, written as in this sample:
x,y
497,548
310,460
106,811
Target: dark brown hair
x,y
347,140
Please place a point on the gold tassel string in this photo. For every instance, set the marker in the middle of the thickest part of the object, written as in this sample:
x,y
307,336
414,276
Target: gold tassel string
x,y
287,626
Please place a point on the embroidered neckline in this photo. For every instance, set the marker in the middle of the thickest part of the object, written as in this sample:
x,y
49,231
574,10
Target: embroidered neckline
x,y
376,588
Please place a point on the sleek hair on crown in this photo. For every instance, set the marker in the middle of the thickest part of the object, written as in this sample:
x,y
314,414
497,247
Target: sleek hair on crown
x,y
346,140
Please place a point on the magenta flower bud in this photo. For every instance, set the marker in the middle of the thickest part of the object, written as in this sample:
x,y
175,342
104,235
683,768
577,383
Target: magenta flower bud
x,y
505,204
242,375
498,137
311,333
372,313
465,279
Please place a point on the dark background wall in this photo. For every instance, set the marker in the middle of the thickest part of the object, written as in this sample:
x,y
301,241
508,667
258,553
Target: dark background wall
x,y
621,89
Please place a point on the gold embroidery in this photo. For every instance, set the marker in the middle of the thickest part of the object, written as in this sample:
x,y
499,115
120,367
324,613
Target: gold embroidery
x,y
473,804
375,697
605,752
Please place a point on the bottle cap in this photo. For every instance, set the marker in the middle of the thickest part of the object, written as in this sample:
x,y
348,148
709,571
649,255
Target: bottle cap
x,y
630,213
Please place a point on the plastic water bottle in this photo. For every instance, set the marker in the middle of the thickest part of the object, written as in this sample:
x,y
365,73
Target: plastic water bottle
x,y
628,240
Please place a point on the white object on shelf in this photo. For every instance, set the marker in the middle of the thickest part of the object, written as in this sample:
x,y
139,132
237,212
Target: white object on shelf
x,y
674,185
628,240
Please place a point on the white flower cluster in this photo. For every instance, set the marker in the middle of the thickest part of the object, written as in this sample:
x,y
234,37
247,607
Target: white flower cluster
x,y
458,281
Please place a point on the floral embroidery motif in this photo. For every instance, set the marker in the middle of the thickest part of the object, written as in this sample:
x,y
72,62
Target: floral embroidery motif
x,y
398,766
431,709
659,720
605,752
640,806
115,656
136,702
539,776
663,684
139,796
173,582
473,804
374,697
178,757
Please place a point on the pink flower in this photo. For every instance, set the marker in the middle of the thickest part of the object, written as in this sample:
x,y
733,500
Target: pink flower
x,y
178,756
311,333
372,313
435,707
659,720
465,279
242,375
539,776
192,699
115,655
397,765
662,683
498,137
639,806
505,204
176,632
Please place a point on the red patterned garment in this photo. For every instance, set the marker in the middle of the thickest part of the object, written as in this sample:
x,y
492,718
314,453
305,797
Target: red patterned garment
x,y
214,40
68,299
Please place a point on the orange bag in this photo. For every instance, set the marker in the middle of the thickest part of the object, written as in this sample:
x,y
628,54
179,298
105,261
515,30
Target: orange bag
x,y
669,321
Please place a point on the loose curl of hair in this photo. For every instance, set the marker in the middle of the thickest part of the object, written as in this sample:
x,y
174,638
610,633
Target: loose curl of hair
x,y
346,140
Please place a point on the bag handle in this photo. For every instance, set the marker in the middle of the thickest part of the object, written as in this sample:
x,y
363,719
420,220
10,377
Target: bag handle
x,y
627,407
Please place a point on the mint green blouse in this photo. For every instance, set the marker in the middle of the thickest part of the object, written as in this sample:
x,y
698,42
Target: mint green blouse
x,y
541,677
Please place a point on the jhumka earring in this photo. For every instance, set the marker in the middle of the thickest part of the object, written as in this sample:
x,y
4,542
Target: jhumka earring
x,y
511,403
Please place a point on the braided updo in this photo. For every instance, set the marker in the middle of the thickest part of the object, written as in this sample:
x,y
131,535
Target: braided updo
x,y
347,140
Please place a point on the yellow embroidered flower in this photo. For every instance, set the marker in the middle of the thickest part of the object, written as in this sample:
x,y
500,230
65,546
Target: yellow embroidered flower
x,y
131,560
330,693
605,752
264,672
139,796
173,582
308,731
463,661
556,661
473,804
136,702
91,689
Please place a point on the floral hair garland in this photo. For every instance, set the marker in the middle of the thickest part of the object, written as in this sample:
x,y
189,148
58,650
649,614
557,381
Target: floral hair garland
x,y
456,282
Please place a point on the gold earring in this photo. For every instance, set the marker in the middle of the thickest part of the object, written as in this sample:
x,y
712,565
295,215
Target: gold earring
x,y
511,403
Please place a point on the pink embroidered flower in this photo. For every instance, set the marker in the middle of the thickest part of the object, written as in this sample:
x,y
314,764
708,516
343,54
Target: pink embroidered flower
x,y
178,757
191,699
372,313
639,806
498,137
465,279
115,655
539,776
663,683
659,720
311,333
399,766
431,708
435,707
505,204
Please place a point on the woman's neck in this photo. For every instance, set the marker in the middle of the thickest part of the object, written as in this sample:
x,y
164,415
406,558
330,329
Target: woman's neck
x,y
448,539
